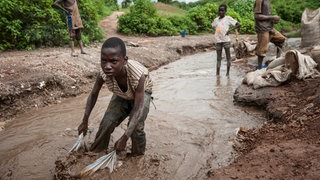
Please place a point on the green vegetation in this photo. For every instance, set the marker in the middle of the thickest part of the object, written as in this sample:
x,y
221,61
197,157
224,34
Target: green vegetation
x,y
292,10
144,19
27,24
167,11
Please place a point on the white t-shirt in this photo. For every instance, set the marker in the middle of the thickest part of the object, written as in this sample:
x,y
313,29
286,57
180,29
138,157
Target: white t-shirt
x,y
222,27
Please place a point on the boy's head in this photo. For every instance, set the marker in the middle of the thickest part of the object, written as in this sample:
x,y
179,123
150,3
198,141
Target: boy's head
x,y
222,10
113,56
115,42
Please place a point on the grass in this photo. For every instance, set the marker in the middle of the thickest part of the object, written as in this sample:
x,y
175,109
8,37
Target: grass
x,y
166,11
294,34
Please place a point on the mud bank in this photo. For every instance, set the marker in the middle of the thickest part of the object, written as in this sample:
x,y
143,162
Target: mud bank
x,y
33,79
282,103
288,145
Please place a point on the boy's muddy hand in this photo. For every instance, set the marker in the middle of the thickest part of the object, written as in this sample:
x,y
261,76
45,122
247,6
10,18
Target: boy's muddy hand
x,y
120,145
83,128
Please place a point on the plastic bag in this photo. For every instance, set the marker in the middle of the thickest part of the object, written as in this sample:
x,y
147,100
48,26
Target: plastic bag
x,y
79,144
108,160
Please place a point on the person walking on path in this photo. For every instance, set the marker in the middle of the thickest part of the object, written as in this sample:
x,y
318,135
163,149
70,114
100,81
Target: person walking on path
x,y
221,25
131,85
74,22
266,33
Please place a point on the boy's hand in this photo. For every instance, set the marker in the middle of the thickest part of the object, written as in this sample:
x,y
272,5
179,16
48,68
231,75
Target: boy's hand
x,y
120,145
276,19
83,128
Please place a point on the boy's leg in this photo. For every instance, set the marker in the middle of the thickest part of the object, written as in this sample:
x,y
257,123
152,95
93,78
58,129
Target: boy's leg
x,y
79,39
72,36
262,47
227,50
117,111
219,57
278,40
260,60
138,136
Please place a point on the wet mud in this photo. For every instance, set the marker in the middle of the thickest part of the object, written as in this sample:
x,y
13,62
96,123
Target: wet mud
x,y
189,134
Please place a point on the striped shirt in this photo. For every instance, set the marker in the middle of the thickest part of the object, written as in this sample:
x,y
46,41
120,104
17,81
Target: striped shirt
x,y
134,71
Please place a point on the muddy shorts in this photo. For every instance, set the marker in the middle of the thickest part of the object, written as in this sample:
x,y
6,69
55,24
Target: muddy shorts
x,y
118,110
226,46
221,45
75,34
264,38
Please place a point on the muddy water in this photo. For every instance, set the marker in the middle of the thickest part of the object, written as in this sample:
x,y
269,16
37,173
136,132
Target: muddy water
x,y
188,134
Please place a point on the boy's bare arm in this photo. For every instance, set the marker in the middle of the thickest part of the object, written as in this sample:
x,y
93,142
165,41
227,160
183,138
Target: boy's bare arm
x,y
91,101
237,25
57,4
261,17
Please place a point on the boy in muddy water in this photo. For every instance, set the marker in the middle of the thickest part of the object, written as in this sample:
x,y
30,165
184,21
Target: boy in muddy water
x,y
132,88
266,33
221,25
73,21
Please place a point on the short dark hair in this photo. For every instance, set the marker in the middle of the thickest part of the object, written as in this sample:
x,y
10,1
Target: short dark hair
x,y
115,42
223,5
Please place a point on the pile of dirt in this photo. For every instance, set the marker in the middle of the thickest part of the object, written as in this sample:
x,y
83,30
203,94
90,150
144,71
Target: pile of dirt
x,y
288,146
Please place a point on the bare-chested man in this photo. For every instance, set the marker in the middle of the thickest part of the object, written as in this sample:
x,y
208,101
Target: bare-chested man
x,y
73,21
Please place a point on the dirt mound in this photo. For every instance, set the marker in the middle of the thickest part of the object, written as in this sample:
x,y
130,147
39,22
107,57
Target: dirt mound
x,y
288,145
147,167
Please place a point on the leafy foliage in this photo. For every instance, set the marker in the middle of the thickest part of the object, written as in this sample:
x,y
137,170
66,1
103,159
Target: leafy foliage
x,y
143,19
184,23
203,16
292,10
27,24
245,9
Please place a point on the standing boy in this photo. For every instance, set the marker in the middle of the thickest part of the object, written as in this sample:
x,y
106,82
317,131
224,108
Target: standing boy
x,y
221,24
73,21
132,87
264,21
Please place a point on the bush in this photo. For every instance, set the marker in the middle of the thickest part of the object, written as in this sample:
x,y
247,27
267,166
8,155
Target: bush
x,y
27,24
143,19
203,16
292,10
183,23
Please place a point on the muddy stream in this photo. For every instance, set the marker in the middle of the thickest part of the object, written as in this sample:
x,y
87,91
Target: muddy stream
x,y
189,133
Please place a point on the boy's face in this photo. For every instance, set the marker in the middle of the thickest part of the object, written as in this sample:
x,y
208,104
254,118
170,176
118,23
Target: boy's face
x,y
222,12
112,61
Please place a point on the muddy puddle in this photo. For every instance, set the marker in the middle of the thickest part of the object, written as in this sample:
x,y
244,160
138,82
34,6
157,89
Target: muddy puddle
x,y
189,133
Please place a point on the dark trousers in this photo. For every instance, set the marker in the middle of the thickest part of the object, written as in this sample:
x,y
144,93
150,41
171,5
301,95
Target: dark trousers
x,y
117,111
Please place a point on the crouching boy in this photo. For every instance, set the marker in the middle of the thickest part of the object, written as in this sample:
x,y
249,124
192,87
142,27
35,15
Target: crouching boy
x,y
132,87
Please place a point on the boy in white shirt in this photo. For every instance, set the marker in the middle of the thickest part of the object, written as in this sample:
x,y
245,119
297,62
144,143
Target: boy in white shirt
x,y
221,24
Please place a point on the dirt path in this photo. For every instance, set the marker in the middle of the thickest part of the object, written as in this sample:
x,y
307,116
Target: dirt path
x,y
110,24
